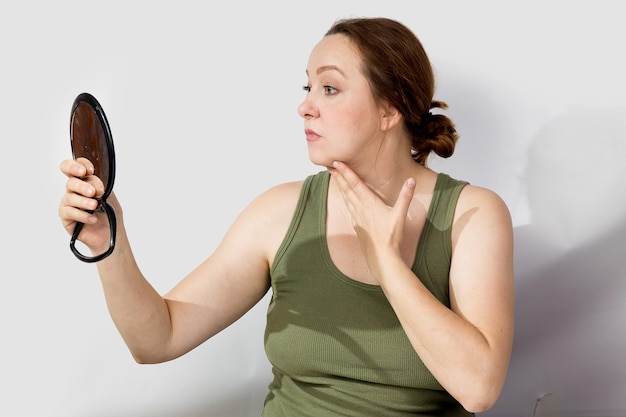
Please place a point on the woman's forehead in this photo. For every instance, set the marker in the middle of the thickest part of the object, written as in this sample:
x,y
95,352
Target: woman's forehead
x,y
334,52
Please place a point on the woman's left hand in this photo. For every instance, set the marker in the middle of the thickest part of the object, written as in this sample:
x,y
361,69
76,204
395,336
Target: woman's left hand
x,y
379,227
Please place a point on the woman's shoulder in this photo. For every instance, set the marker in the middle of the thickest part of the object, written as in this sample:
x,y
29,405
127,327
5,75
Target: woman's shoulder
x,y
277,202
481,205
269,215
471,196
283,193
478,196
284,196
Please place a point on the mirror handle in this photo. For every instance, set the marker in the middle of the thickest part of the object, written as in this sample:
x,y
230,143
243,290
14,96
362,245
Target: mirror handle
x,y
112,227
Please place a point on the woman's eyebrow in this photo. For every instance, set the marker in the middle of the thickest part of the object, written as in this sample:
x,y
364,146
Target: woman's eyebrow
x,y
324,68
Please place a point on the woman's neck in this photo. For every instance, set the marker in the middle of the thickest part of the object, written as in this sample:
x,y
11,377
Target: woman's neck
x,y
386,177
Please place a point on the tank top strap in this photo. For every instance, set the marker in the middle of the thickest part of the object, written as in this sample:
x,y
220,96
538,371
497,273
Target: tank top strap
x,y
313,193
434,252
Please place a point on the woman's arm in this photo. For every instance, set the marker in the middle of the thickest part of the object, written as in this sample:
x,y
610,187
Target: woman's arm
x,y
233,279
466,347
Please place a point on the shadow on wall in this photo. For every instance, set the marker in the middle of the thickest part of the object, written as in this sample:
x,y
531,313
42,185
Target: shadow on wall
x,y
571,270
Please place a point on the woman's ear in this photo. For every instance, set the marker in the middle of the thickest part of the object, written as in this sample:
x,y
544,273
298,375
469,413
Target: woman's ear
x,y
390,117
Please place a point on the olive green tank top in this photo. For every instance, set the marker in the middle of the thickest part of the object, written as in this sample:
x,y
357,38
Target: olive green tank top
x,y
335,344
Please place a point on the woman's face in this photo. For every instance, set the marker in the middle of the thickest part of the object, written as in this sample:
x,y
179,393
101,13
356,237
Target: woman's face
x,y
341,118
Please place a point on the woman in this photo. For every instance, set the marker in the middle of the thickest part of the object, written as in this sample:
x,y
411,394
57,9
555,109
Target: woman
x,y
392,285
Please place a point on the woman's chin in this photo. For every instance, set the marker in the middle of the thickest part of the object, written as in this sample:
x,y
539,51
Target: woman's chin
x,y
321,162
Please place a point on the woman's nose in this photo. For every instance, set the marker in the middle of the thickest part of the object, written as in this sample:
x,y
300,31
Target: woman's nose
x,y
307,109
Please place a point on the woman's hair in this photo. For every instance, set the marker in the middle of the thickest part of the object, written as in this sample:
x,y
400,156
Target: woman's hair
x,y
399,73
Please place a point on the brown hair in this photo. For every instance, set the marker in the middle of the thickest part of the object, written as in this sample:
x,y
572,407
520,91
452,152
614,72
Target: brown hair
x,y
400,73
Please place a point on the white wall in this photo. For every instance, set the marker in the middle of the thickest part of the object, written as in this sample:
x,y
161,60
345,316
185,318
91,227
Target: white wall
x,y
202,103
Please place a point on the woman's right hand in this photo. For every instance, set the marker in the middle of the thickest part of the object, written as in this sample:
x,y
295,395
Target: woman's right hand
x,y
82,190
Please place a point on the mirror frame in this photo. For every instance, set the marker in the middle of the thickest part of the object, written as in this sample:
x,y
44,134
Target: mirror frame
x,y
103,205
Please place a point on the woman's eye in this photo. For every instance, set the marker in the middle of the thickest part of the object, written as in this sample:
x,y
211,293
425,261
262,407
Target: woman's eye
x,y
328,90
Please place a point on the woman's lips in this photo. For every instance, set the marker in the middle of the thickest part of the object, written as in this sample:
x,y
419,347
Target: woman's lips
x,y
311,135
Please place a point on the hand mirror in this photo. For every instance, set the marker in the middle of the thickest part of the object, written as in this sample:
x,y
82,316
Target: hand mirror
x,y
90,137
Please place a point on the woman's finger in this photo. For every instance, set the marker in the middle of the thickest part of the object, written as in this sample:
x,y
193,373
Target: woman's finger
x,y
350,184
401,208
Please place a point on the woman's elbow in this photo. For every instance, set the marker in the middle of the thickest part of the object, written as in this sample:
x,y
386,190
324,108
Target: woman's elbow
x,y
477,406
145,360
481,397
143,357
